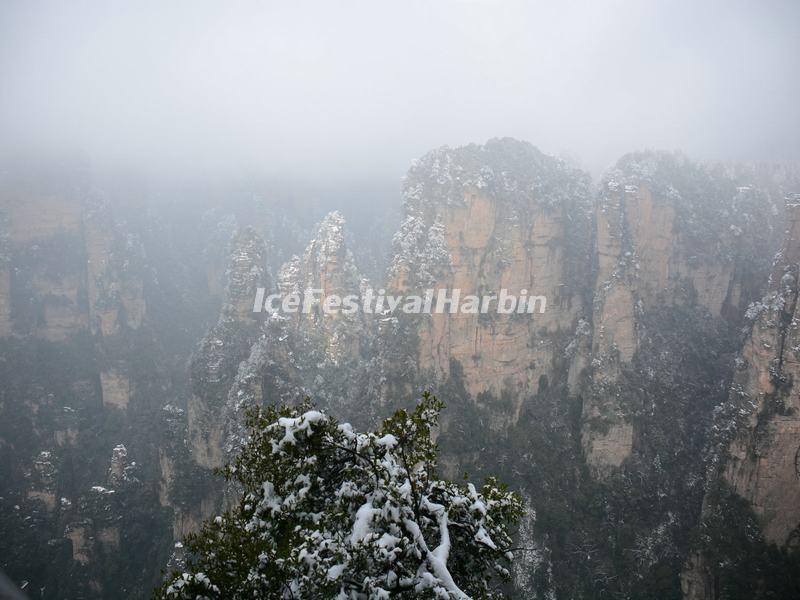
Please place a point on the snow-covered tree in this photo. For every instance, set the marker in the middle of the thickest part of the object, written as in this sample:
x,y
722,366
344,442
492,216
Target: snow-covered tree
x,y
327,512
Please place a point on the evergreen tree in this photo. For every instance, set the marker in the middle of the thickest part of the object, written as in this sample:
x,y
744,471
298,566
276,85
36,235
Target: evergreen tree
x,y
327,512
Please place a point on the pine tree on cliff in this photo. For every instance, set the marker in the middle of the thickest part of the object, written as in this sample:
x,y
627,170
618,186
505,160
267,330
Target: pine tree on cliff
x,y
327,512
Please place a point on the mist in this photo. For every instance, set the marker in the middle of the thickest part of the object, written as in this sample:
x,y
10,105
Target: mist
x,y
329,90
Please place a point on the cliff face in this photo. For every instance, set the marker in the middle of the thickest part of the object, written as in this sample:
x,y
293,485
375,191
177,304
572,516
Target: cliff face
x,y
605,398
662,233
638,338
215,364
254,355
70,271
327,269
84,368
762,463
482,219
597,409
753,464
45,279
115,288
101,304
668,234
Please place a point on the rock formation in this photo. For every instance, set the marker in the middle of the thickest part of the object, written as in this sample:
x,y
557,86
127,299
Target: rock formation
x,y
215,364
83,372
327,269
668,233
479,219
763,459
597,409
755,452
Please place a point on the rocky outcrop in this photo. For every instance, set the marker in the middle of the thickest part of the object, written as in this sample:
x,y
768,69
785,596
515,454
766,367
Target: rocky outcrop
x,y
254,355
43,480
761,463
753,466
83,373
185,486
215,364
643,279
79,533
480,219
118,471
668,233
326,270
44,288
66,267
114,281
116,388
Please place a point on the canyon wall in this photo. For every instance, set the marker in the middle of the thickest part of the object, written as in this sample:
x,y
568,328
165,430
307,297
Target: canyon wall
x,y
762,462
85,369
598,408
753,466
668,233
605,398
481,219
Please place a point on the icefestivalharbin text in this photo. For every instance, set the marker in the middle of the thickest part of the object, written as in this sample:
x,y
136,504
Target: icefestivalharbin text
x,y
380,303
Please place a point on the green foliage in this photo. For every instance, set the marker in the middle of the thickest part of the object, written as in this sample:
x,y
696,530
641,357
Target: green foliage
x,y
326,512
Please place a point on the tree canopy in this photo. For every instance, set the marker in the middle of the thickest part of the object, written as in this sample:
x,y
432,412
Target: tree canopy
x,y
327,512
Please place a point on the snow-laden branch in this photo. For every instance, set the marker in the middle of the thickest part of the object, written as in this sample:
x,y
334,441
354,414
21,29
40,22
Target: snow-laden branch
x,y
330,512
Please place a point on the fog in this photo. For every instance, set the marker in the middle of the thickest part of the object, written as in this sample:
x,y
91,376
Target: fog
x,y
356,89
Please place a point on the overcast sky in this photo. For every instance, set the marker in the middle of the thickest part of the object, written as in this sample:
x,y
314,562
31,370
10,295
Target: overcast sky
x,y
356,89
